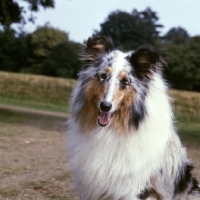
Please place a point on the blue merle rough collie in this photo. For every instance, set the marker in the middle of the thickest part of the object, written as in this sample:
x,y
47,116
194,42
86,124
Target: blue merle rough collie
x,y
121,138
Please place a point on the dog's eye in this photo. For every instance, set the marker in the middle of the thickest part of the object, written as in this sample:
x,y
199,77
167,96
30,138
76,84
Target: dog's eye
x,y
124,82
102,77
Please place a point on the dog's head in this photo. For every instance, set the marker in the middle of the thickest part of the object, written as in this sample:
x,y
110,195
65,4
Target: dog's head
x,y
113,84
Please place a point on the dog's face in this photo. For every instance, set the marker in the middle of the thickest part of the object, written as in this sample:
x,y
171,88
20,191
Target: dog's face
x,y
114,84
111,87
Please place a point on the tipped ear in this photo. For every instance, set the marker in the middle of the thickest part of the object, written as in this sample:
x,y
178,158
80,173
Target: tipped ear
x,y
94,46
145,61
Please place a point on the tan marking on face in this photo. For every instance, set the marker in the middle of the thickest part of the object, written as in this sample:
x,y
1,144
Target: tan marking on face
x,y
123,75
108,70
94,92
99,47
124,100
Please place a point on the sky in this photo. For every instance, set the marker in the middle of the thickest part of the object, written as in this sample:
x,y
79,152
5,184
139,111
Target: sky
x,y
79,18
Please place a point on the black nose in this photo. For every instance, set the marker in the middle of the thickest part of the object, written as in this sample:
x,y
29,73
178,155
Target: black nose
x,y
105,106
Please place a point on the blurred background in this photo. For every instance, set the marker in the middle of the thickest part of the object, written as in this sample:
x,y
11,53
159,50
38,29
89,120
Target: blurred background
x,y
39,44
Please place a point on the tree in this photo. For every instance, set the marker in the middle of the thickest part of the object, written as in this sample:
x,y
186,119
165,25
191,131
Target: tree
x,y
46,51
13,51
42,42
176,35
131,30
63,60
52,53
149,20
45,38
11,12
184,66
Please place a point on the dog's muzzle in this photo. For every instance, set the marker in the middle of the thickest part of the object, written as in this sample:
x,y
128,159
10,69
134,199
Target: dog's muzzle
x,y
104,114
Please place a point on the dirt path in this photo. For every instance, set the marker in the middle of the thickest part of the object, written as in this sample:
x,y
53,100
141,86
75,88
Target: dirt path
x,y
33,158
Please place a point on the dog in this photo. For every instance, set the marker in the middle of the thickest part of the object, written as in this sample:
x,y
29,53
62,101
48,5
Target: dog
x,y
122,141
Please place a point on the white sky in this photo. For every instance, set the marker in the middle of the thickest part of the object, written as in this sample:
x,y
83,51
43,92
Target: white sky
x,y
81,17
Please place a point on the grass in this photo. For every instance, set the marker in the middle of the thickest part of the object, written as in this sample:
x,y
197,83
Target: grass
x,y
29,89
189,133
186,105
35,104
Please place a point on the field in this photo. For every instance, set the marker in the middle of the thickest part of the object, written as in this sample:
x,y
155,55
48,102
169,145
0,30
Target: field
x,y
33,157
186,105
35,91
34,163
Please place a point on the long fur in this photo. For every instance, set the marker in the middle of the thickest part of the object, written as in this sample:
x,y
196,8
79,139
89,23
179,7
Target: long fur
x,y
121,137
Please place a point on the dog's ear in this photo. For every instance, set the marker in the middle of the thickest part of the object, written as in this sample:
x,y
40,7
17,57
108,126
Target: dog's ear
x,y
96,45
144,61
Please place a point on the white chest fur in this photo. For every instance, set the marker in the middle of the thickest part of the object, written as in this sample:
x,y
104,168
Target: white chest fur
x,y
119,166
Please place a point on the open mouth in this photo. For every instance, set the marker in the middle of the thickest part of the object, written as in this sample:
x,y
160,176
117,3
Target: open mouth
x,y
104,118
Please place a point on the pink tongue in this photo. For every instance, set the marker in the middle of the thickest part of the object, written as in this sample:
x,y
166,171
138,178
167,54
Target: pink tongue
x,y
104,118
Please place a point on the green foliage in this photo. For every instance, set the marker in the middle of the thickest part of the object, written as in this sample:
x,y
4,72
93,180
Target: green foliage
x,y
183,60
52,53
176,35
63,60
12,12
45,38
131,30
46,51
13,51
34,4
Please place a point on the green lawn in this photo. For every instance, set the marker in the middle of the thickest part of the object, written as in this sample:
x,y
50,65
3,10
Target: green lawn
x,y
40,105
189,133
